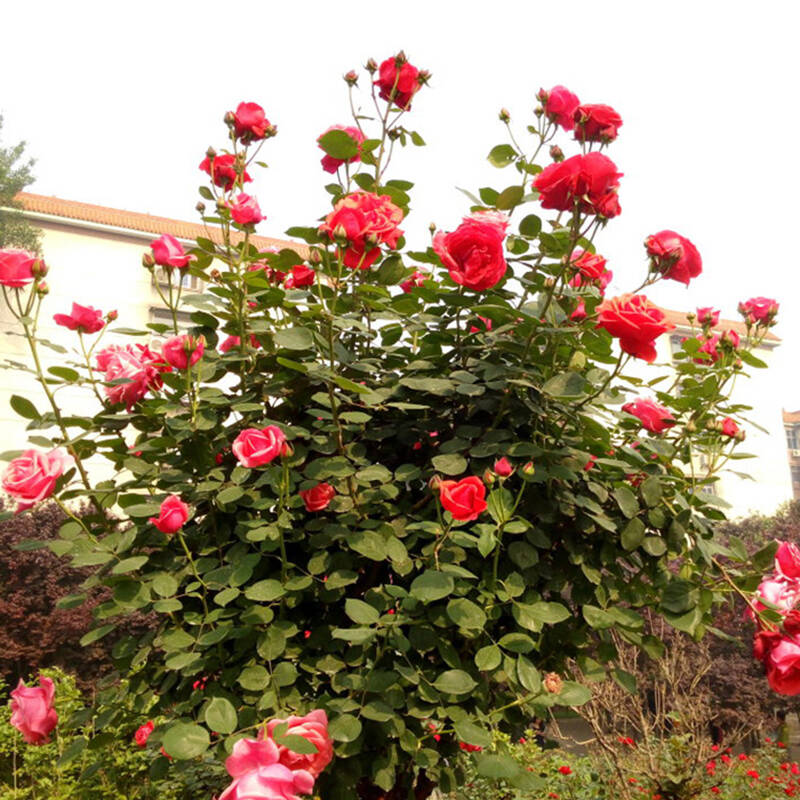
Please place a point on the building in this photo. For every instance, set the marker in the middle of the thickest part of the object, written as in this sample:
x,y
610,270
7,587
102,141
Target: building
x,y
94,256
791,425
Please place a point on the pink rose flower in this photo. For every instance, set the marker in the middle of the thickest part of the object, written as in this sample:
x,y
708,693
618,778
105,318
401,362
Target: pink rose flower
x,y
143,733
223,171
17,267
245,210
503,467
318,497
172,515
596,123
674,256
497,219
138,365
234,341
560,105
591,270
31,477
781,592
331,164
250,123
398,84
708,316
254,447
169,252
32,712
579,314
313,727
654,417
729,427
759,310
183,351
301,275
782,663
84,319
473,254
787,560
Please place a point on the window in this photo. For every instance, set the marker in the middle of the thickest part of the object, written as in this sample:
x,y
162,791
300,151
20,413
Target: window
x,y
190,283
793,437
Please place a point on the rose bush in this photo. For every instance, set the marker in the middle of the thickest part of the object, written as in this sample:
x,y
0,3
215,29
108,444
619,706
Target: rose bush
x,y
491,513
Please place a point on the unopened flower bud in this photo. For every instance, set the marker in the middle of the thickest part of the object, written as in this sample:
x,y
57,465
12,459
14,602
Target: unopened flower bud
x,y
556,153
504,115
215,274
371,239
538,111
552,683
503,468
221,204
201,207
691,426
489,477
351,78
400,59
39,268
148,261
340,234
542,95
737,364
690,315
528,469
435,482
287,449
211,153
394,133
270,131
229,119
42,288
740,436
549,282
371,66
423,77
112,315
315,257
432,228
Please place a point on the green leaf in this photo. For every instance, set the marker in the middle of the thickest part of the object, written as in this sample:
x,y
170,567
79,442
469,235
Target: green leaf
x,y
528,675
470,733
294,338
186,740
220,715
451,464
509,198
497,767
502,155
345,728
466,614
65,373
455,681
566,385
24,407
265,591
573,694
369,543
360,612
339,144
651,491
632,534
165,585
229,495
488,658
654,546
517,642
626,500
432,586
129,565
530,226
597,618
95,634
253,678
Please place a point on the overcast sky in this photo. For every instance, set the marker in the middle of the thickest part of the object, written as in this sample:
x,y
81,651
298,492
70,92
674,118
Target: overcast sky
x,y
118,102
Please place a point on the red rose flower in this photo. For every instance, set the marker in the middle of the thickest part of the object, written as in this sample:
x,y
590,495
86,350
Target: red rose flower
x,y
654,417
674,256
503,467
250,123
245,210
729,427
331,164
596,123
636,322
84,319
473,254
470,748
417,279
579,314
234,341
138,365
759,310
17,267
559,106
143,733
782,663
787,560
464,499
222,170
169,252
318,497
590,180
301,275
254,447
398,83
565,770
365,220
172,514
183,351
591,270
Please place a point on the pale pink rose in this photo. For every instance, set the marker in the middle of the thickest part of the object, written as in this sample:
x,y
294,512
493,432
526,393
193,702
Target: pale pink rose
x,y
254,447
654,417
271,782
759,310
137,364
250,754
183,351
171,516
245,210
169,252
313,727
32,712
782,593
32,477
497,219
787,560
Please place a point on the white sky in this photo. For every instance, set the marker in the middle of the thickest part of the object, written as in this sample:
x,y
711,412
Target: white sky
x,y
118,102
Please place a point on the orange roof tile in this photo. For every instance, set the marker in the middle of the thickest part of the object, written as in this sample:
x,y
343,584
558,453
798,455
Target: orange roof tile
x,y
680,319
136,221
791,416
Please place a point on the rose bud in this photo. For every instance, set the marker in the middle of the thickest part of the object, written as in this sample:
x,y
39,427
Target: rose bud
x,y
229,119
148,261
434,482
528,469
43,288
552,683
351,78
556,153
489,477
505,116
112,315
201,208
503,467
39,268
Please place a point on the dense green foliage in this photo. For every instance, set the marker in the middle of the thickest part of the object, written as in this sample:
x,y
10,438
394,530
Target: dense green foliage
x,y
15,175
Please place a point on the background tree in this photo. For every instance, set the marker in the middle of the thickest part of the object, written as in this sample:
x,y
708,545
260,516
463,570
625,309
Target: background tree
x,y
15,175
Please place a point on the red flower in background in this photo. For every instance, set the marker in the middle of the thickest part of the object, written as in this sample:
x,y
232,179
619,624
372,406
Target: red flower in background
x,y
84,319
596,123
559,106
636,322
223,171
674,256
398,82
589,181
473,253
464,499
250,123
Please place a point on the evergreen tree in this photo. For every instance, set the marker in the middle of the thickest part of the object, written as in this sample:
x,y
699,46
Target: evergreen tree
x,y
15,175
